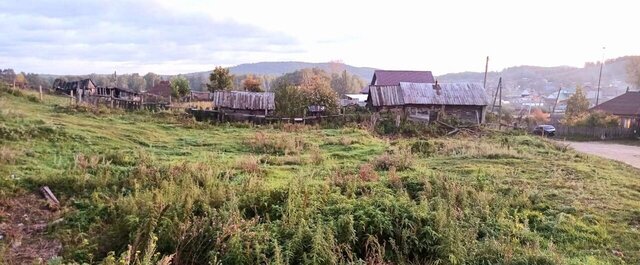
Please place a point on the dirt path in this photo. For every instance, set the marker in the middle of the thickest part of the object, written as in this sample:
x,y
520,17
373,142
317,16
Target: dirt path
x,y
624,153
23,225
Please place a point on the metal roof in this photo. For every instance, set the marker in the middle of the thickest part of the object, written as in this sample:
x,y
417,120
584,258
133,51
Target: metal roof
x,y
244,100
472,94
395,77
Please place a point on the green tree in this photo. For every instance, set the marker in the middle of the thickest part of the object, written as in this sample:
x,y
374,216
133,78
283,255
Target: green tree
x,y
633,71
577,104
220,79
317,91
289,100
21,80
179,87
151,79
296,91
137,82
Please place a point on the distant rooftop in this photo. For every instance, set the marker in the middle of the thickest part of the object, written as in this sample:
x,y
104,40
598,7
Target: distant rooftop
x,y
627,104
395,77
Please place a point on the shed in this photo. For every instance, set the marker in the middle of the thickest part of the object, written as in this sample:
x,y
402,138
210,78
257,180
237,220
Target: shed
x,y
84,86
257,103
466,101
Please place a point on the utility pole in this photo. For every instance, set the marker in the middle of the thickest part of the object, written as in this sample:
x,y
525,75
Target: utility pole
x,y
486,69
493,105
500,106
600,78
556,103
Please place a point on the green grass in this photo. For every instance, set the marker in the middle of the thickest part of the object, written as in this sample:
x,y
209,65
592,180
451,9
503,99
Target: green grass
x,y
245,194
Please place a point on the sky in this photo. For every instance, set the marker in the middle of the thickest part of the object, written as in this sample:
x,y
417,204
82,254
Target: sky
x,y
171,37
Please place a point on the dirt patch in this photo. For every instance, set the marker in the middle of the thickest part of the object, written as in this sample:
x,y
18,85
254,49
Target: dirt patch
x,y
23,224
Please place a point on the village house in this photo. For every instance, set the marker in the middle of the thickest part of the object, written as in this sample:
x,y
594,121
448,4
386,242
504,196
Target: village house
x,y
427,101
244,102
625,106
82,87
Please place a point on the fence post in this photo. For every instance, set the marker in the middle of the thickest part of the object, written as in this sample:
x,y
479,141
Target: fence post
x,y
40,88
71,98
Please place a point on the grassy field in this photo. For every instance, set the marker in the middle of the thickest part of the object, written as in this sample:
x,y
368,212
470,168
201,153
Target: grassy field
x,y
142,186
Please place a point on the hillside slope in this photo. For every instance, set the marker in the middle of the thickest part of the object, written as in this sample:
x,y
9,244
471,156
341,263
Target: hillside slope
x,y
204,193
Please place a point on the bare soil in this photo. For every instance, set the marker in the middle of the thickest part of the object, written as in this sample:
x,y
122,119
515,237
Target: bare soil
x,y
23,225
623,153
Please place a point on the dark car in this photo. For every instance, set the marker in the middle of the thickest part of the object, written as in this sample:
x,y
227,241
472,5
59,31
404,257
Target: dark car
x,y
544,130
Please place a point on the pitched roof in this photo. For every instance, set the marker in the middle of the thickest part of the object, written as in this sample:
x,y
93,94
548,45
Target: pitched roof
x,y
429,94
244,100
389,78
627,104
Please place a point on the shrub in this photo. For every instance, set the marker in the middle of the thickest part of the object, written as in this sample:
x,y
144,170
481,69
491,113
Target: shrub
x,y
367,173
422,147
8,155
277,145
593,119
249,164
402,159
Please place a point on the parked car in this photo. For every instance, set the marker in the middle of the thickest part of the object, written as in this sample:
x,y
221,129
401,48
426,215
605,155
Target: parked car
x,y
545,130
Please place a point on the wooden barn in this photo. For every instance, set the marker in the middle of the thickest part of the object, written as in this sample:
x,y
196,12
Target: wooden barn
x,y
82,87
426,101
243,102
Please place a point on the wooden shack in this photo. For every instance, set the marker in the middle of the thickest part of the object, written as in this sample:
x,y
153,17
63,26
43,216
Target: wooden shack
x,y
244,102
427,101
82,87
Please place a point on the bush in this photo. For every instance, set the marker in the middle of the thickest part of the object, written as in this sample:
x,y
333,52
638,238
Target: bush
x,y
593,119
276,145
402,159
422,147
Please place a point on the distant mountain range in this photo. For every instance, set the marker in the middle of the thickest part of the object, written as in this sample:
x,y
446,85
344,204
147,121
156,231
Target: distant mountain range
x,y
531,78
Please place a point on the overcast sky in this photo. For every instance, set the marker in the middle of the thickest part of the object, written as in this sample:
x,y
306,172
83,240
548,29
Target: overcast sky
x,y
170,37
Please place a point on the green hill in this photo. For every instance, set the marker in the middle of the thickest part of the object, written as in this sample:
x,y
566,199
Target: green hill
x,y
161,184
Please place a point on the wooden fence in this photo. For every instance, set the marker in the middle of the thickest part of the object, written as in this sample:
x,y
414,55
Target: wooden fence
x,y
594,133
222,116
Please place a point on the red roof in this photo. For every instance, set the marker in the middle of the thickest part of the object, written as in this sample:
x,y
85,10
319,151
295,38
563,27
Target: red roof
x,y
627,104
393,78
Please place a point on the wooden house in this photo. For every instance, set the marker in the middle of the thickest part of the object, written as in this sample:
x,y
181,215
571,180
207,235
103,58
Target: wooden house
x,y
626,107
80,87
427,101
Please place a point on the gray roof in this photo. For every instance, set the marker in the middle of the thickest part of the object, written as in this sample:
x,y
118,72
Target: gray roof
x,y
243,100
472,94
395,77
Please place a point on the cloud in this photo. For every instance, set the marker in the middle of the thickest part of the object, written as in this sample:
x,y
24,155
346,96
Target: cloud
x,y
140,33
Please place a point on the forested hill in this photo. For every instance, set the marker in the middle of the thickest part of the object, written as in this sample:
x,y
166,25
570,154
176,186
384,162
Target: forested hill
x,y
536,77
280,68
